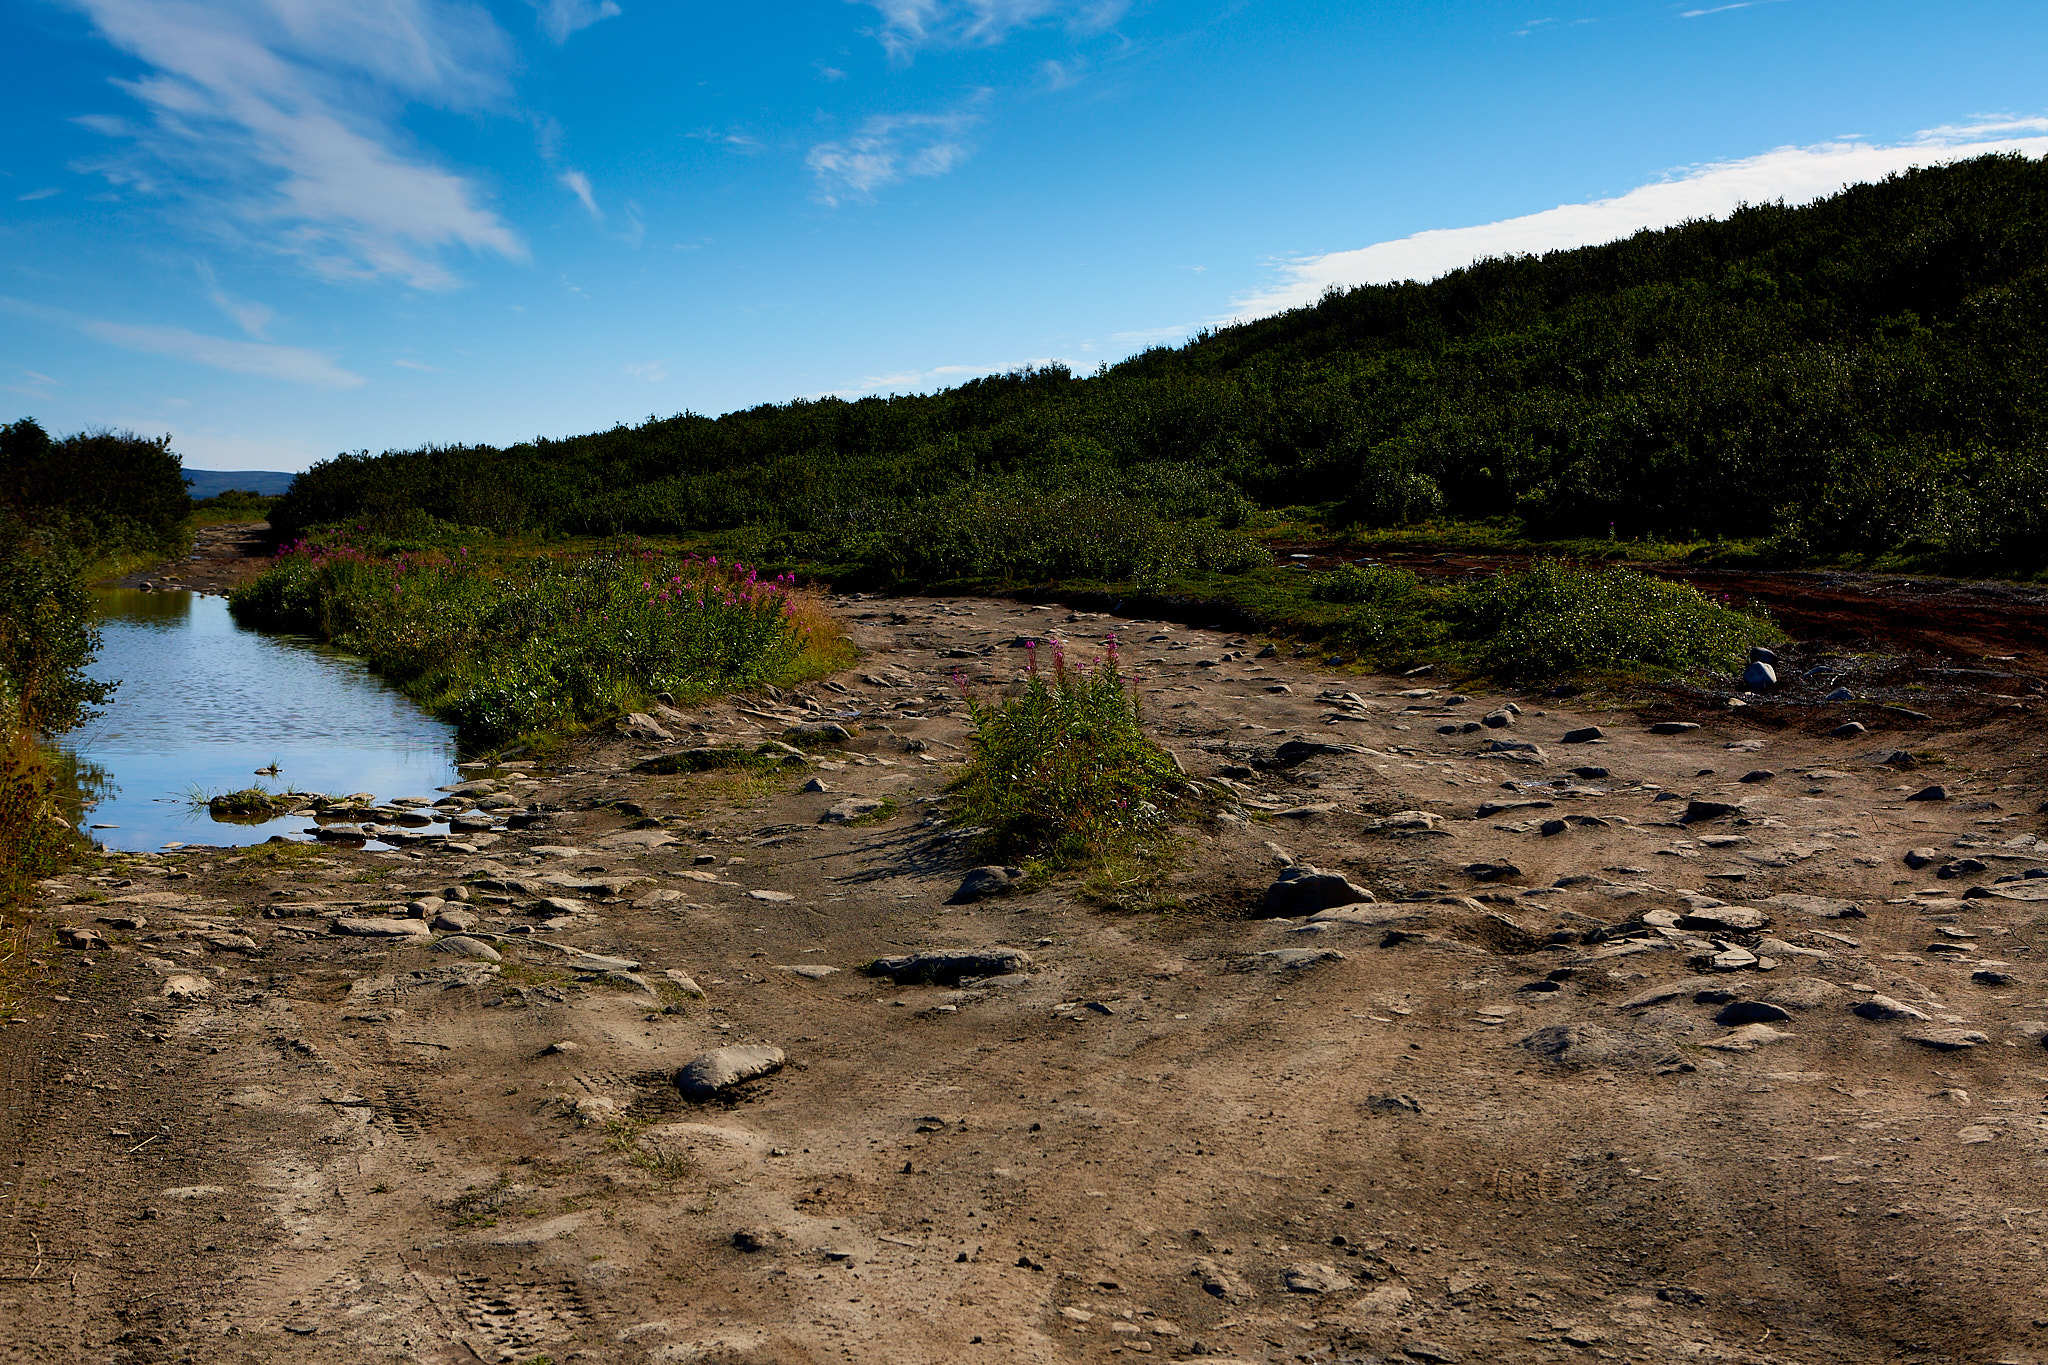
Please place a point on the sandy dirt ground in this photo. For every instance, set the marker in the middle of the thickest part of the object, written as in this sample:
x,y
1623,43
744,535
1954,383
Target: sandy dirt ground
x,y
1709,1044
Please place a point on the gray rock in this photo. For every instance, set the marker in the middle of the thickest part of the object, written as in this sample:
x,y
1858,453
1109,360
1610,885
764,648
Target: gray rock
x,y
1759,655
1883,1009
816,786
1757,775
453,921
184,987
1674,727
1917,858
1293,959
1298,751
1699,809
1574,1045
683,982
949,966
983,882
812,732
713,1073
374,927
1936,792
1961,867
461,945
1759,675
1991,976
1497,720
1945,1039
1725,919
640,726
851,809
1492,872
1585,734
1849,730
1840,694
1803,993
1217,1281
1303,890
1489,809
1750,1012
1315,1279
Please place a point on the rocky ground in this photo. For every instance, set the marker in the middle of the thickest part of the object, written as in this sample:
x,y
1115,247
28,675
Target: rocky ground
x,y
1713,1036
221,556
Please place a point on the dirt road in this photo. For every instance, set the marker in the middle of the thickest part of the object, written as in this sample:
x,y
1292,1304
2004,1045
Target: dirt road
x,y
221,557
1586,1079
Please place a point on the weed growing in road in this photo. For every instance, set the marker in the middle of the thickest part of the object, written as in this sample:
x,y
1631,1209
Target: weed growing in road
x,y
1062,768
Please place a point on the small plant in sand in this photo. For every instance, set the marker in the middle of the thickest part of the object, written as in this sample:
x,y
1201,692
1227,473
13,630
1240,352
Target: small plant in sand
x,y
1062,768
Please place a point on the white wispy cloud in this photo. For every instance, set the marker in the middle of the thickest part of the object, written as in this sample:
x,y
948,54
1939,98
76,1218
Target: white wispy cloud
x,y
559,19
1723,9
652,371
252,317
404,364
279,117
1795,175
47,192
889,148
908,25
578,184
260,359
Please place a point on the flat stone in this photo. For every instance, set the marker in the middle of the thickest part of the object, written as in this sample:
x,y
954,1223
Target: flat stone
x,y
1883,1009
851,809
183,987
1724,919
1945,1039
1293,959
1699,809
1585,734
1917,858
453,921
1489,809
983,882
461,945
1750,1012
1315,1279
1933,793
1674,727
810,971
377,927
713,1073
949,966
1216,1281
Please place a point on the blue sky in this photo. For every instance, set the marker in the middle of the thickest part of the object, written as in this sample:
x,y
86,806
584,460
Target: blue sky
x,y
278,229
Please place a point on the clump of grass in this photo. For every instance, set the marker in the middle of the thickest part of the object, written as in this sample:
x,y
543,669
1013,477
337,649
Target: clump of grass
x,y
1555,619
1062,769
623,1135
1353,583
548,644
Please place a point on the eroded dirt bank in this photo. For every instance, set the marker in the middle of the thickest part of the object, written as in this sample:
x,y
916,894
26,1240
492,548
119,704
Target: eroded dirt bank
x,y
1489,1116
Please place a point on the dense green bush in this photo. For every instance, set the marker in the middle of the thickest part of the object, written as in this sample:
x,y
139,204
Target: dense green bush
x,y
1063,768
545,644
1555,619
1374,583
94,493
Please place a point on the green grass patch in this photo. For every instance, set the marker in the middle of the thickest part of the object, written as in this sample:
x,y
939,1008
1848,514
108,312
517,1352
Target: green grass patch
x,y
1063,769
544,643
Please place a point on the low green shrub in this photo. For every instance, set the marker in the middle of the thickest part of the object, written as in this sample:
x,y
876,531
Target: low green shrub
x,y
1375,583
1555,619
546,644
1063,768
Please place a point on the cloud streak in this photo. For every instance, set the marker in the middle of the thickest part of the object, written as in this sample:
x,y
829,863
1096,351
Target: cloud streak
x,y
279,118
578,184
889,148
562,19
1795,175
908,25
257,359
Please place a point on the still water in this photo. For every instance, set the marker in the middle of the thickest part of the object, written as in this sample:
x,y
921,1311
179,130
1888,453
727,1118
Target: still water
x,y
203,703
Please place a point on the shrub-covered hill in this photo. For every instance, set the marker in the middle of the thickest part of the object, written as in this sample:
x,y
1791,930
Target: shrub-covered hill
x,y
1863,373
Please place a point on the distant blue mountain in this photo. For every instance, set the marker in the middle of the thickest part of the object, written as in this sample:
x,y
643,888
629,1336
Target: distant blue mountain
x,y
205,483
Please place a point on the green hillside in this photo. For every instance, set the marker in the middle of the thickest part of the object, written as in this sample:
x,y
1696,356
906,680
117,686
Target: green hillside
x,y
1859,375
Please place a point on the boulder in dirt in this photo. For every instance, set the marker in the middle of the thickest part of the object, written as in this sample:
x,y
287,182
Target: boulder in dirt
x,y
1759,675
1741,1012
713,1073
1699,809
1674,727
1315,1279
638,725
1493,872
851,809
810,733
1585,734
1724,919
377,927
1303,890
1217,1281
1574,1045
461,945
1849,730
1945,1039
1884,1009
983,882
1936,792
949,966
1298,751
